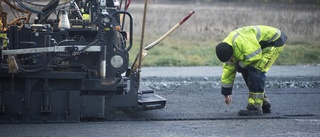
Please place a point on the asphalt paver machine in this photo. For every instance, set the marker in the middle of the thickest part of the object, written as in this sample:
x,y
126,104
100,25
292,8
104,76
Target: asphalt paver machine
x,y
72,66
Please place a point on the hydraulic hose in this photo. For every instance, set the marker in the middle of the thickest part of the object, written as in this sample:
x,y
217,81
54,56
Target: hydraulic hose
x,y
48,9
27,8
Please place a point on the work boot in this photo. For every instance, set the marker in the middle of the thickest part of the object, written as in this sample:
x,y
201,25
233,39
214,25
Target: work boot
x,y
250,111
266,106
254,107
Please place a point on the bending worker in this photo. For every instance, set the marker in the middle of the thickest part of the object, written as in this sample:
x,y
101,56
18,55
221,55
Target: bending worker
x,y
251,51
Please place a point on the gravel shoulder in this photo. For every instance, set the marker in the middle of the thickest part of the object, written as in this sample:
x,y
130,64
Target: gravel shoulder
x,y
277,77
215,71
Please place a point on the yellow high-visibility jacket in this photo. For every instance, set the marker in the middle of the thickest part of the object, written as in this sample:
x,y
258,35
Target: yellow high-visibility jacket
x,y
247,45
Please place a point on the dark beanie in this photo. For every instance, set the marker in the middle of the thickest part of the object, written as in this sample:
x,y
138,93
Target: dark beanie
x,y
224,51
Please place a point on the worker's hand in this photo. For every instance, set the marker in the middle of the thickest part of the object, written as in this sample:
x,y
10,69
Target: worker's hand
x,y
228,99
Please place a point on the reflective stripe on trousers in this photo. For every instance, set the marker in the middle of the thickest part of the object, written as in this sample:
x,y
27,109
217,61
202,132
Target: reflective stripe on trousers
x,y
256,99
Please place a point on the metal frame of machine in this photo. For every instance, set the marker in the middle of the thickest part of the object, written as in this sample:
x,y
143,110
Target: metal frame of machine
x,y
71,67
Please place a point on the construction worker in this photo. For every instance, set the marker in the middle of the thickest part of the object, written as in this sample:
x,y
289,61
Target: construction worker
x,y
251,51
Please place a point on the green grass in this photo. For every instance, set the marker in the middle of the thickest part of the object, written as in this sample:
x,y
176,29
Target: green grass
x,y
178,52
295,54
184,52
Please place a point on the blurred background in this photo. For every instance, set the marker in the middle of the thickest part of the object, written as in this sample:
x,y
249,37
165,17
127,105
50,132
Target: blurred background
x,y
194,42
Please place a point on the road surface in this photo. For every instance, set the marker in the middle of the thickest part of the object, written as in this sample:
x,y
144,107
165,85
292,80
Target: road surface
x,y
195,107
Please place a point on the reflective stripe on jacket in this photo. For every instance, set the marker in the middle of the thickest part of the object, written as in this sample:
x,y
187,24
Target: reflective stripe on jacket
x,y
248,50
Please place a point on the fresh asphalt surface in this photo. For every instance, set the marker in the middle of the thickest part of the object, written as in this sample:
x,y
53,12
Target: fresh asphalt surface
x,y
197,109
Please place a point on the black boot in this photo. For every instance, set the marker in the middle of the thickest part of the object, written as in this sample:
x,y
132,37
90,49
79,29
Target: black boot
x,y
250,111
266,106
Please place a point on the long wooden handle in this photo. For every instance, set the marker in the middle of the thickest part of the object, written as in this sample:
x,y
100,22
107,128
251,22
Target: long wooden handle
x,y
143,53
153,44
